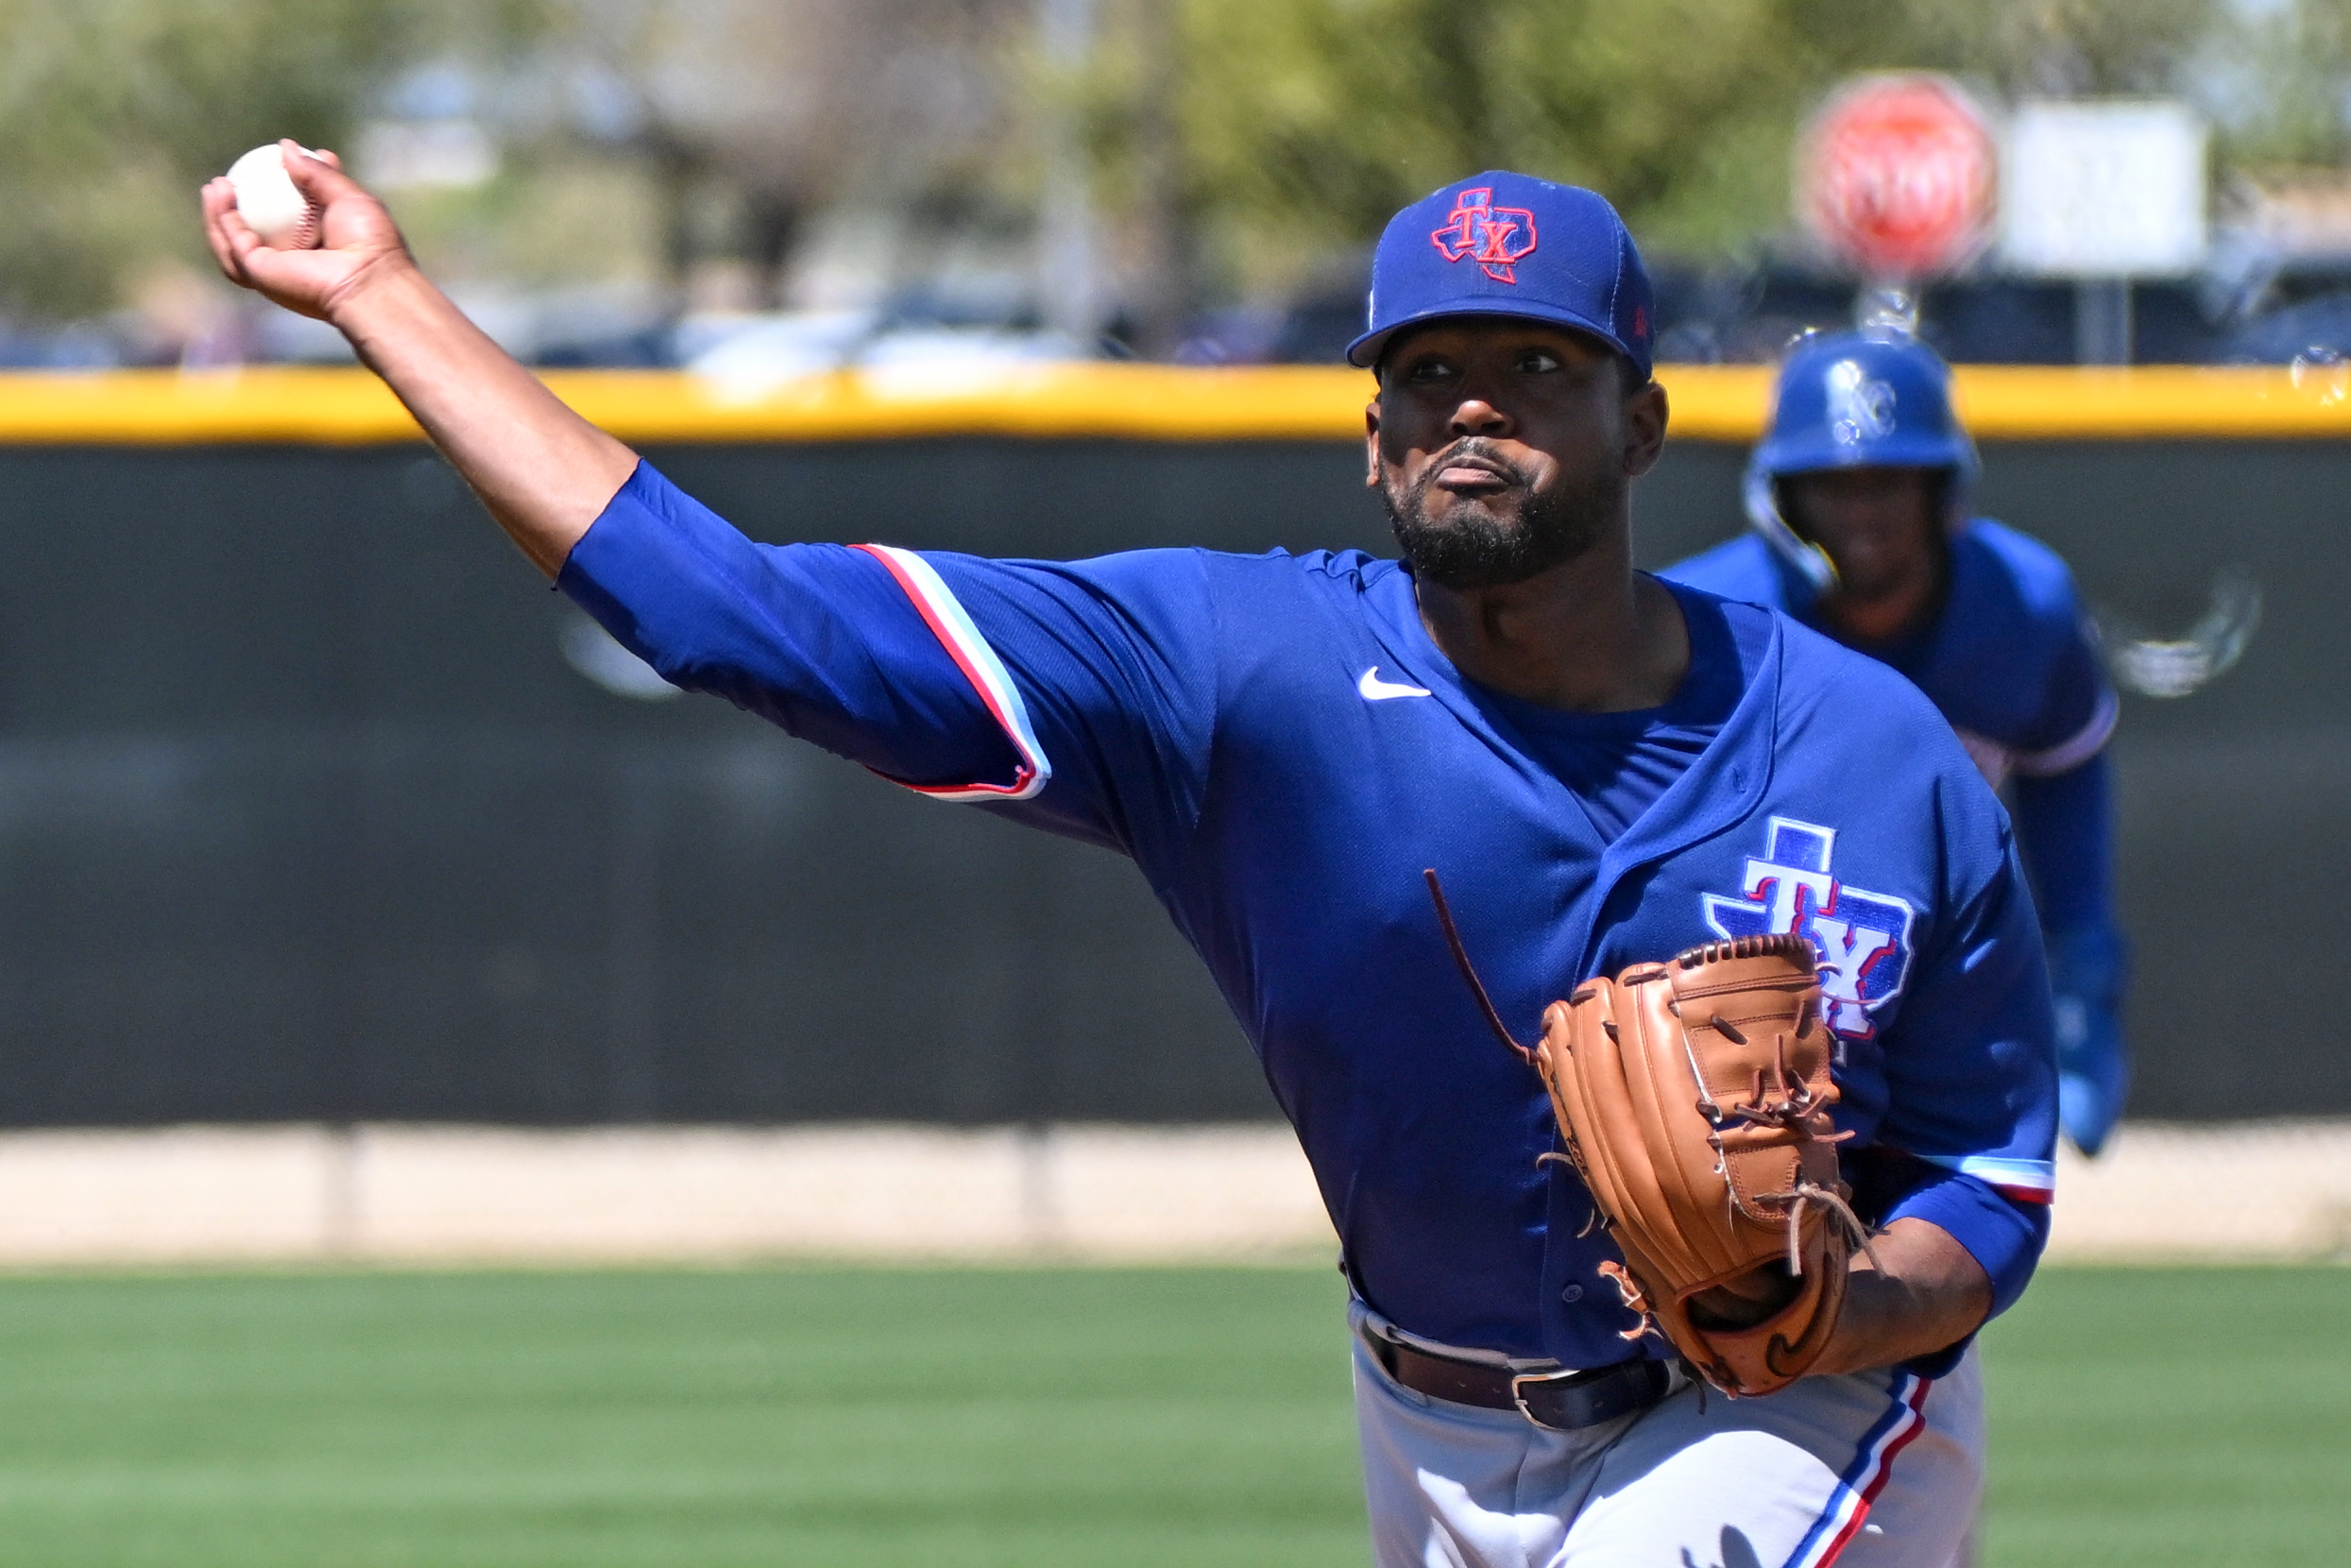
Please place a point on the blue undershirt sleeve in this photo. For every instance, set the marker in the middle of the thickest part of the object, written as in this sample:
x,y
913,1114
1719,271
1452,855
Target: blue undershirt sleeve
x,y
2065,826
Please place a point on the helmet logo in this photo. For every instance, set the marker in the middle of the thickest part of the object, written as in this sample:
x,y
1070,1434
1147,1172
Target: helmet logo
x,y
1495,237
1859,409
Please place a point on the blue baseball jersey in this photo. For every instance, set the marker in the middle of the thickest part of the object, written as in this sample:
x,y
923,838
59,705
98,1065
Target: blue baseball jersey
x,y
2011,662
1280,748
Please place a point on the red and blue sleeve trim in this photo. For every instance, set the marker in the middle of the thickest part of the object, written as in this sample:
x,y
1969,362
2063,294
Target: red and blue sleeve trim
x,y
953,627
1858,1488
2024,1181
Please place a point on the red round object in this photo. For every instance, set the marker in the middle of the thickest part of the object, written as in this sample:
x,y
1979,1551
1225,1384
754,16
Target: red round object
x,y
1897,175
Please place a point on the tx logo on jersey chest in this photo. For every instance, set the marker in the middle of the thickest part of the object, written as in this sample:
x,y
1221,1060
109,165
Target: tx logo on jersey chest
x,y
1863,937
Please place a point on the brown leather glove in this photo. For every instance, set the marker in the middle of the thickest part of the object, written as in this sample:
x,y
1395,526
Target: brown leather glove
x,y
1694,1097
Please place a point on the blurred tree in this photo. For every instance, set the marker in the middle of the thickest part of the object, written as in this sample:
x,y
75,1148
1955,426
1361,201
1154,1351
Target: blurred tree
x,y
1308,122
2280,86
1310,118
758,114
2063,48
1236,143
113,110
747,115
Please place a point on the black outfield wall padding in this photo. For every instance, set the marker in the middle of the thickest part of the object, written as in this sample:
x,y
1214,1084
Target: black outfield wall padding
x,y
305,813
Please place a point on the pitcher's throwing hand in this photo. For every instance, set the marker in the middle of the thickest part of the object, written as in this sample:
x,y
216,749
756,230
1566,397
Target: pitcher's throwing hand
x,y
357,238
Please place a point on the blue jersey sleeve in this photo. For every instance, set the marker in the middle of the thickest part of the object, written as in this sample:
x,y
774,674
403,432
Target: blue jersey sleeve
x,y
2077,714
2002,1234
2074,708
2063,786
1114,661
818,638
1971,1081
1052,692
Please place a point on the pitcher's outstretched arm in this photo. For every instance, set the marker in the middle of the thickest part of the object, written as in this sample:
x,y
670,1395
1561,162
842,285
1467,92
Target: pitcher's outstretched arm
x,y
544,473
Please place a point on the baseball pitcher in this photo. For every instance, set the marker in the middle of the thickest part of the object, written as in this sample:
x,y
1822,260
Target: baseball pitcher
x,y
1652,983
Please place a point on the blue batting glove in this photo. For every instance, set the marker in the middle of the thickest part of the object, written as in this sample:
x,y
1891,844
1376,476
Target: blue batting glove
x,y
2086,972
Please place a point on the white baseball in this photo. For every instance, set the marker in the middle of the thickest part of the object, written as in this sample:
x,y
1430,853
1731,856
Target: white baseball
x,y
278,214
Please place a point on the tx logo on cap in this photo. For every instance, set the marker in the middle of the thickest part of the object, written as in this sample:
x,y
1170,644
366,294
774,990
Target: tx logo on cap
x,y
1492,236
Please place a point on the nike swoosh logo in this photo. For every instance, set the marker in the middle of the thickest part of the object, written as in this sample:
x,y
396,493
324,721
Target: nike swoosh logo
x,y
1377,690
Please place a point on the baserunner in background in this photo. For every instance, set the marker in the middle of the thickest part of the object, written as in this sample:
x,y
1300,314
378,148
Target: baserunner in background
x,y
1860,498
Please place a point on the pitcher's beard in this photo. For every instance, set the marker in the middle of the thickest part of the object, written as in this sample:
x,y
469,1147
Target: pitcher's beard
x,y
1474,547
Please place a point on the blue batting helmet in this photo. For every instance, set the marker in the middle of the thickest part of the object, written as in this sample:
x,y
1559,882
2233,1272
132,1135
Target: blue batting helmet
x,y
1871,399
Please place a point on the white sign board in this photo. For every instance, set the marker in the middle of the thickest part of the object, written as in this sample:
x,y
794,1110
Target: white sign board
x,y
2104,189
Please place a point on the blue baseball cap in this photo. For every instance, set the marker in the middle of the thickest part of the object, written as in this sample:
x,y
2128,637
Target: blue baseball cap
x,y
1505,243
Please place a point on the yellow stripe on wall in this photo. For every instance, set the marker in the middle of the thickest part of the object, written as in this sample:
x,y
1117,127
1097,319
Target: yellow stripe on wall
x,y
1129,401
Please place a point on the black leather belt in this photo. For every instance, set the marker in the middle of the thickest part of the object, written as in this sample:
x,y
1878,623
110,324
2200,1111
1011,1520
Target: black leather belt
x,y
1562,1400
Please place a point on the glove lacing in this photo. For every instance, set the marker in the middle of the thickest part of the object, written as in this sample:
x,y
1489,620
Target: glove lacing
x,y
1793,1113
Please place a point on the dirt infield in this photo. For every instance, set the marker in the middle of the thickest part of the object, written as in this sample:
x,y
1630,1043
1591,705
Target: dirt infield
x,y
402,1194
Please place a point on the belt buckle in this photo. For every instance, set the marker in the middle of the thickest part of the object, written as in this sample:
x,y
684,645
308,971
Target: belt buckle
x,y
1518,1394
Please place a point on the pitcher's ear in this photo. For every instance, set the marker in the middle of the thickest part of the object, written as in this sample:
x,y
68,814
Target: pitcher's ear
x,y
1646,415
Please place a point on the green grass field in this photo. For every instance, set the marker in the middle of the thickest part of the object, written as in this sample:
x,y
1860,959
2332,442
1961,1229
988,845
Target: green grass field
x,y
972,1417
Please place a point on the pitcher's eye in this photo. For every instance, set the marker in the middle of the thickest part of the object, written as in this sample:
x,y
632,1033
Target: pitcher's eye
x,y
1538,362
